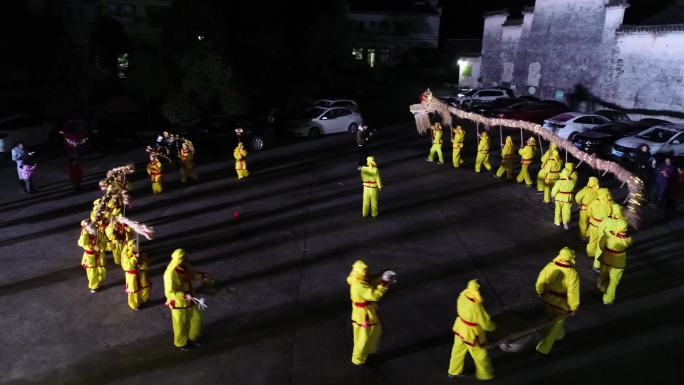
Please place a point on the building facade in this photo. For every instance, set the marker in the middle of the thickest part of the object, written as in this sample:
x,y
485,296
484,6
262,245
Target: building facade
x,y
560,46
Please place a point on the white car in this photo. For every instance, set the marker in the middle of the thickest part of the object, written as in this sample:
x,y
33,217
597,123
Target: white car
x,y
330,103
320,121
22,128
568,123
661,139
485,95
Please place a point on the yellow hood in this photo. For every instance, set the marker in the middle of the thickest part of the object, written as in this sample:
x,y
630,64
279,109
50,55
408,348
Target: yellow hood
x,y
567,255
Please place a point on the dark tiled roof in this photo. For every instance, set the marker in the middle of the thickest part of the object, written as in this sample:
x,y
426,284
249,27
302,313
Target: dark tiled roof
x,y
498,12
612,3
672,14
652,28
512,22
528,9
392,6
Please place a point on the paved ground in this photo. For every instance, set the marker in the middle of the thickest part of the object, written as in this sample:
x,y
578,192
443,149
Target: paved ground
x,y
281,314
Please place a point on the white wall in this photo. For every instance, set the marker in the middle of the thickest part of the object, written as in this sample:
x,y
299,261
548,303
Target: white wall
x,y
470,81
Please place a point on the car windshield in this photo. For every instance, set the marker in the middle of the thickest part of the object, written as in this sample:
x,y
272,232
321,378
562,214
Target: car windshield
x,y
313,113
470,93
658,135
563,117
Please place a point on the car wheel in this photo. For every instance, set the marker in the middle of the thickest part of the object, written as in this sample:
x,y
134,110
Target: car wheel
x,y
257,143
572,135
314,133
352,128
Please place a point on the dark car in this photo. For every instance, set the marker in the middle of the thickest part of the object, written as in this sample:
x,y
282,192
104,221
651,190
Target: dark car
x,y
613,115
257,135
485,107
531,112
655,121
600,139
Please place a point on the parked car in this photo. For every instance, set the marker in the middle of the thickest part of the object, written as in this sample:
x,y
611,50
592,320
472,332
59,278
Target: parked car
x,y
257,135
614,115
661,139
318,121
330,103
654,121
450,100
486,94
484,107
25,128
531,112
569,123
600,140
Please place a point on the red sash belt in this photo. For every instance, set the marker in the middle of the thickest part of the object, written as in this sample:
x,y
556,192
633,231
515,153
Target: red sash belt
x,y
562,264
526,161
563,192
468,322
134,271
89,252
557,294
464,341
613,251
362,304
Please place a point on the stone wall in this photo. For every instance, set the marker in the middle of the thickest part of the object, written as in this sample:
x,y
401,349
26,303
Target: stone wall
x,y
491,66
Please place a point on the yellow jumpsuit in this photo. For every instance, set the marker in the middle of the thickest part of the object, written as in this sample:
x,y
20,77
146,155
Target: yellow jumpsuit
x,y
469,333
551,171
610,223
541,175
136,289
482,158
185,316
562,194
365,321
599,209
527,156
457,145
572,173
372,184
187,165
558,285
117,234
154,170
92,260
436,147
613,258
507,155
583,198
240,155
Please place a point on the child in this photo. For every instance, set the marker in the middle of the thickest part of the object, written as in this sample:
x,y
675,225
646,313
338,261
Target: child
x,y
75,173
28,168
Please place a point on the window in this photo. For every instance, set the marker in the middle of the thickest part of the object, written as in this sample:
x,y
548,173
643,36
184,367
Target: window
x,y
600,120
657,134
584,120
332,114
489,93
371,57
384,56
123,13
343,112
357,53
343,103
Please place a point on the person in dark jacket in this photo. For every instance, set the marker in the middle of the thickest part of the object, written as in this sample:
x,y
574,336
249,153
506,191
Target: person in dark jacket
x,y
664,173
643,163
675,192
362,136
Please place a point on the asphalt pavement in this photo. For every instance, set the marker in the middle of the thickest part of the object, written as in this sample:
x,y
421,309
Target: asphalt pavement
x,y
280,245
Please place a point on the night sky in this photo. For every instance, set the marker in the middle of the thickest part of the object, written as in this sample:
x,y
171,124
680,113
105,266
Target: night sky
x,y
467,22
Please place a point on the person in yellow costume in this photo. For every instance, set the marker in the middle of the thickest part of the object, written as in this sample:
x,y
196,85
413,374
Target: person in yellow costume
x,y
482,158
372,184
117,234
583,198
457,146
562,195
507,155
186,158
572,173
558,286
526,158
93,257
137,284
469,333
553,169
240,155
436,147
612,256
365,294
614,219
552,152
154,170
599,209
185,316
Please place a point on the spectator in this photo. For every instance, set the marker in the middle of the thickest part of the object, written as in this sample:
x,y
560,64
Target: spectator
x,y
644,163
675,192
28,168
20,155
75,173
664,173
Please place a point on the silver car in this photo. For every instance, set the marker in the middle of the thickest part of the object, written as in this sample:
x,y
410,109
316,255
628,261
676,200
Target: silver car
x,y
318,121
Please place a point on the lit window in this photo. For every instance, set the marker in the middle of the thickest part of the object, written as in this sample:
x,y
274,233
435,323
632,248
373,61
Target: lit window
x,y
357,53
371,57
